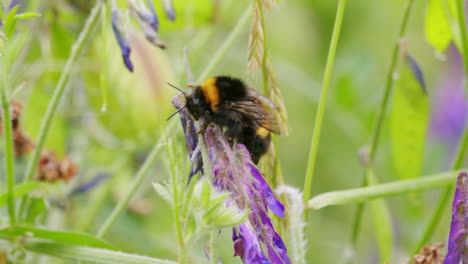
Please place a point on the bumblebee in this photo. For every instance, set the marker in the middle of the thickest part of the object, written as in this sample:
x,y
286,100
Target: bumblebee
x,y
245,115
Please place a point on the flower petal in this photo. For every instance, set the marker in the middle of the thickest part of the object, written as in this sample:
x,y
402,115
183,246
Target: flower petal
x,y
458,229
148,20
275,206
121,36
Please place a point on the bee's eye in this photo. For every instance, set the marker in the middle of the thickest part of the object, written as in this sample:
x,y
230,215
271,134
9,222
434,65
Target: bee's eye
x,y
196,101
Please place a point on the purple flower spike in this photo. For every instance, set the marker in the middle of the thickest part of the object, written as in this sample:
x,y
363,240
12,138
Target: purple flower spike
x,y
251,245
457,244
255,240
275,206
121,36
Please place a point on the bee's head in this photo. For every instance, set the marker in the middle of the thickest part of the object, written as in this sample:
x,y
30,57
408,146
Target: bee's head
x,y
196,104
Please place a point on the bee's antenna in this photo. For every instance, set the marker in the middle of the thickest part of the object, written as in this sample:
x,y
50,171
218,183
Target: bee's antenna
x,y
178,110
177,88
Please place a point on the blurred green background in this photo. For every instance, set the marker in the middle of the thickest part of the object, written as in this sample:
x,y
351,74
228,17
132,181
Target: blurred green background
x,y
116,141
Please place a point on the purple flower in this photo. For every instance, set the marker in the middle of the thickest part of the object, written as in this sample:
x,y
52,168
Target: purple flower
x,y
417,72
121,36
256,240
450,107
14,3
457,244
85,187
191,138
148,20
169,10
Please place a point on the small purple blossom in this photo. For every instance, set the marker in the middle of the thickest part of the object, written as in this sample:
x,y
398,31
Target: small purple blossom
x,y
85,187
148,20
416,70
13,3
169,10
191,138
121,36
457,244
450,108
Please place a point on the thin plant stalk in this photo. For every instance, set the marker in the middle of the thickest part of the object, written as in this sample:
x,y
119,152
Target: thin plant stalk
x,y
383,190
323,99
374,141
9,155
447,193
123,203
76,50
214,245
265,51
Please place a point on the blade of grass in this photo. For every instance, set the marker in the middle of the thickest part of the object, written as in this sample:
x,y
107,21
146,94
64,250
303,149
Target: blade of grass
x,y
374,142
323,100
9,155
20,191
364,194
95,255
72,238
57,94
381,222
123,203
447,193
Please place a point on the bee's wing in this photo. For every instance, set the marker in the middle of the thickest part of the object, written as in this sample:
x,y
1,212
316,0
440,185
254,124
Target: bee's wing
x,y
256,111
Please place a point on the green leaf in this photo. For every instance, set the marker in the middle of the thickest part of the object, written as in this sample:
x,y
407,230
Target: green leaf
x,y
437,28
381,220
36,207
20,191
10,22
33,116
71,238
27,15
95,255
163,192
360,195
409,120
13,48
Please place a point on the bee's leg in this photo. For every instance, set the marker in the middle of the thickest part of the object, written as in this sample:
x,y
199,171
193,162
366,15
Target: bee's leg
x,y
202,129
259,146
233,132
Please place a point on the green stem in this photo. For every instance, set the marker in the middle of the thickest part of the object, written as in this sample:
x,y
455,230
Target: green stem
x,y
123,203
323,99
374,142
58,92
9,155
228,42
104,76
365,194
447,193
464,35
266,91
214,244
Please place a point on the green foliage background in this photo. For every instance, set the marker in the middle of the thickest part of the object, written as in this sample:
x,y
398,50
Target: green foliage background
x,y
116,141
